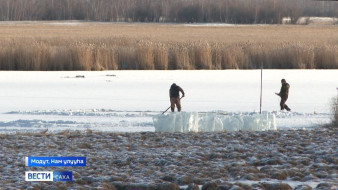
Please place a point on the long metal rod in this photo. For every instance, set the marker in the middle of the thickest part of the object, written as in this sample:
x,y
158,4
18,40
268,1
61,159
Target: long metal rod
x,y
260,106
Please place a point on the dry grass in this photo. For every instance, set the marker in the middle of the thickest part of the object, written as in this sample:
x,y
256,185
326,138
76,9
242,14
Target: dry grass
x,y
111,46
334,111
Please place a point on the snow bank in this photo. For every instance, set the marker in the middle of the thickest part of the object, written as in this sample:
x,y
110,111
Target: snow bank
x,y
186,122
317,20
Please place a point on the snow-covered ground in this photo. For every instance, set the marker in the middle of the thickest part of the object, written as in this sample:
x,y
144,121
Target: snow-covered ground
x,y
128,100
260,160
317,20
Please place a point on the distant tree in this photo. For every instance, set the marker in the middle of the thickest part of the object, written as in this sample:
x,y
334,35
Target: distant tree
x,y
233,11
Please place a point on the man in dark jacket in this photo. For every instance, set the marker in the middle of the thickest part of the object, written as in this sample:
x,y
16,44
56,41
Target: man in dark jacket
x,y
174,94
284,94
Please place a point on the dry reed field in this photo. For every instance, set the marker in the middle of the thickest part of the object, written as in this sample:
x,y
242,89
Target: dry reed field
x,y
101,46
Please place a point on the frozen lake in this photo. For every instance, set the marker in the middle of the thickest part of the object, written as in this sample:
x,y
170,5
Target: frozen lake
x,y
127,100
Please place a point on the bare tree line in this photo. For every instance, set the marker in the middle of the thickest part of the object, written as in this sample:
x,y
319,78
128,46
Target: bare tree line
x,y
229,11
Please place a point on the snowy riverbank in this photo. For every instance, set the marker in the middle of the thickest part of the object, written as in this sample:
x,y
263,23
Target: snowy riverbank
x,y
256,160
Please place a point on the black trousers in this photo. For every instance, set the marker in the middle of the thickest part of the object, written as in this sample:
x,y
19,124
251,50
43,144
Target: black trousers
x,y
283,105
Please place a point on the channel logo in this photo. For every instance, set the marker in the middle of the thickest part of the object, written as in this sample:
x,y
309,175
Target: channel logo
x,y
38,176
48,176
62,176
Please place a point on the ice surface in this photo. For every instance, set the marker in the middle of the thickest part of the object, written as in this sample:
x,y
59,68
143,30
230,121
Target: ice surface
x,y
194,122
138,121
206,90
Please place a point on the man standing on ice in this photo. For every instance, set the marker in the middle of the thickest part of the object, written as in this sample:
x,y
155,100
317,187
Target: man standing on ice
x,y
175,99
284,94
